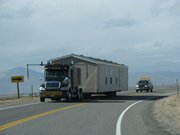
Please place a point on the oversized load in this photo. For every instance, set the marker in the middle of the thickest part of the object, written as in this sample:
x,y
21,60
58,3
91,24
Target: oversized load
x,y
76,76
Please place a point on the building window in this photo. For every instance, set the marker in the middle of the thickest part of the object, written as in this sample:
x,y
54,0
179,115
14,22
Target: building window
x,y
111,80
106,80
78,74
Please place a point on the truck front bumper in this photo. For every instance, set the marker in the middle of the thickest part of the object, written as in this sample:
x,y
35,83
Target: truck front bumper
x,y
53,94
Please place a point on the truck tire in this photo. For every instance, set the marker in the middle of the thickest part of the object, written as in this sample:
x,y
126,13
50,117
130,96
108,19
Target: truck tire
x,y
86,95
42,99
80,95
136,90
151,90
147,90
111,94
69,97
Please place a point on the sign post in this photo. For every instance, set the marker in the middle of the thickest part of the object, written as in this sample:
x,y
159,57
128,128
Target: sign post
x,y
17,79
18,90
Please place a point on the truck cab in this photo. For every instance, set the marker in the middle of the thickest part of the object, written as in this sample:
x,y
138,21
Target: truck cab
x,y
59,83
144,85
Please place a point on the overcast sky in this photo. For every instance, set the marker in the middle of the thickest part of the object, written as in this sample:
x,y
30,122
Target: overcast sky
x,y
143,34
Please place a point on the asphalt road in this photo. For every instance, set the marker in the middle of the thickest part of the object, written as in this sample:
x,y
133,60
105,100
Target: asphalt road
x,y
96,116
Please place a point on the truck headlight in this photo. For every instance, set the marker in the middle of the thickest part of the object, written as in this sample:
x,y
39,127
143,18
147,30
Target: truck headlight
x,y
41,89
137,86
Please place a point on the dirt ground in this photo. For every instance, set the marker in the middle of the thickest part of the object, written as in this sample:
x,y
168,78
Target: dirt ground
x,y
5,102
167,113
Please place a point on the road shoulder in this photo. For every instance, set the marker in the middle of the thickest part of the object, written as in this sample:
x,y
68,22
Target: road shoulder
x,y
15,102
167,114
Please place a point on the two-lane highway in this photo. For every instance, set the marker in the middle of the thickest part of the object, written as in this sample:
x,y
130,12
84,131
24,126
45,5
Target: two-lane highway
x,y
96,116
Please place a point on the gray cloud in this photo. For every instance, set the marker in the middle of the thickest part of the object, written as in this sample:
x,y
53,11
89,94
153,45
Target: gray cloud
x,y
119,22
7,11
25,9
166,7
127,32
175,9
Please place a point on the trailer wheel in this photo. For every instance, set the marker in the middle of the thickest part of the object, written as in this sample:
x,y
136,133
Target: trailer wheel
x,y
42,99
111,94
86,95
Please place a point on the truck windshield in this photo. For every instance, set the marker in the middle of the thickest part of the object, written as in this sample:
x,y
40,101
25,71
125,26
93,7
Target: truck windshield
x,y
56,75
143,82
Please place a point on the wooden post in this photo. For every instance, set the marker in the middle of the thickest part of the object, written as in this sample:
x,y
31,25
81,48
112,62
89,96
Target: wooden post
x,y
18,90
177,85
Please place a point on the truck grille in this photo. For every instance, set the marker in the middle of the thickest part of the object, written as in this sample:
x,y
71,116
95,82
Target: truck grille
x,y
52,85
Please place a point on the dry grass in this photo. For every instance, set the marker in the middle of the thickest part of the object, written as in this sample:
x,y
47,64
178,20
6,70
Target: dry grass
x,y
14,101
167,113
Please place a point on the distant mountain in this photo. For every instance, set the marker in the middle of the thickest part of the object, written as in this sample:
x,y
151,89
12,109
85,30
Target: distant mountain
x,y
6,87
157,78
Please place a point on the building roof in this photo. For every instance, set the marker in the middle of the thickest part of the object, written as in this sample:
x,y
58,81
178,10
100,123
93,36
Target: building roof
x,y
89,59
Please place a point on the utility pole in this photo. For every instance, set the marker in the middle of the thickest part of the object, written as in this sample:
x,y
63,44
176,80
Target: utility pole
x,y
41,64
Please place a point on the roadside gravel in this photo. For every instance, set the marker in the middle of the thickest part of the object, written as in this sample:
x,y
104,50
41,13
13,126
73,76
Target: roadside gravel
x,y
167,113
21,101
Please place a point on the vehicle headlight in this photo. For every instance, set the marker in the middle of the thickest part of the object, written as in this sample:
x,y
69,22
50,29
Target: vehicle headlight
x,y
137,86
145,86
41,88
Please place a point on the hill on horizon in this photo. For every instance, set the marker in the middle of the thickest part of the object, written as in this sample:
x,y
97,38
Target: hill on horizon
x,y
6,87
158,78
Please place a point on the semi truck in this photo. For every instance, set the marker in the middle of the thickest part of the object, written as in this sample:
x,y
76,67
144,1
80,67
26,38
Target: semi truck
x,y
75,77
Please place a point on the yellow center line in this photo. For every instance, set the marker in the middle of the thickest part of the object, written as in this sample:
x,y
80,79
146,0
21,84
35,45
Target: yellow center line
x,y
14,123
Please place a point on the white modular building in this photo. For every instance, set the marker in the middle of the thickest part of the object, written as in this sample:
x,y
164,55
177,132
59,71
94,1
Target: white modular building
x,y
95,75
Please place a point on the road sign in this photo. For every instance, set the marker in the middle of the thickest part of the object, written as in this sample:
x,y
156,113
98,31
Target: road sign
x,y
16,79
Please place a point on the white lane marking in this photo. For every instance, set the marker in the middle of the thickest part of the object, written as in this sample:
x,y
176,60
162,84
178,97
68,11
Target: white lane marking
x,y
10,107
119,122
118,126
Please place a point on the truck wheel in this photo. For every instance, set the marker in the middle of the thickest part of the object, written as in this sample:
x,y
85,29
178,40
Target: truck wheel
x,y
136,90
151,90
42,99
80,96
69,98
111,94
147,90
86,95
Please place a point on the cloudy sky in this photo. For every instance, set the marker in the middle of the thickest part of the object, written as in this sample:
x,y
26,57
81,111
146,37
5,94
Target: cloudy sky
x,y
143,34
